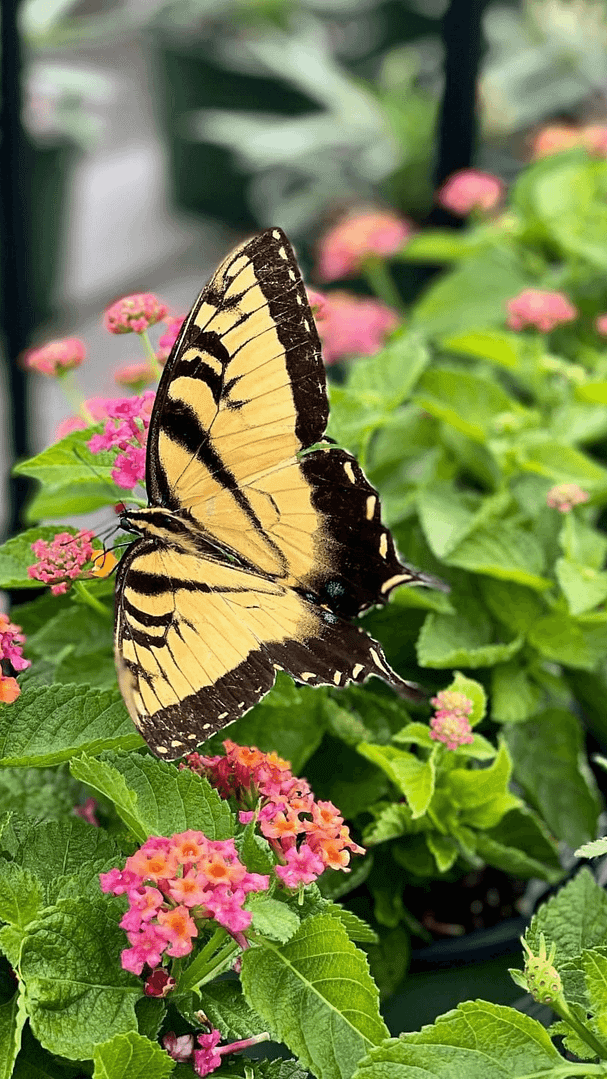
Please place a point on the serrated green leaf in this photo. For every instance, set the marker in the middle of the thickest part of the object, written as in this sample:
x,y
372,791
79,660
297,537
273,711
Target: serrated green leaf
x,y
446,516
77,628
20,895
463,640
154,797
572,642
72,499
39,792
417,734
477,1040
69,461
503,551
583,587
412,776
549,762
273,919
133,1055
227,1010
466,401
594,849
355,927
76,993
482,794
514,697
575,919
392,820
12,1019
594,965
316,994
49,724
54,851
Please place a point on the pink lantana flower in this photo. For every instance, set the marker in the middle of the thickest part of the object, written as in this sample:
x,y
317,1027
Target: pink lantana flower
x,y
451,724
351,326
134,314
61,560
57,357
564,496
541,309
470,189
600,324
12,640
208,1057
168,338
363,234
134,375
555,138
126,429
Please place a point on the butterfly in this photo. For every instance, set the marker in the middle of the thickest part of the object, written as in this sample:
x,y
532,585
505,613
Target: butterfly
x,y
262,540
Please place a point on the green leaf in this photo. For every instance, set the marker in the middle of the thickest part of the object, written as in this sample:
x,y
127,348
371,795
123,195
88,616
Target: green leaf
x,y
16,555
504,551
583,587
521,846
575,919
574,643
460,300
49,724
76,992
498,346
514,697
386,379
226,1009
445,516
511,604
417,734
20,895
39,792
153,797
594,965
580,543
550,763
133,1055
392,819
78,628
415,778
464,400
466,639
482,793
72,499
562,464
595,849
439,245
12,1019
70,461
273,919
389,959
595,392
355,927
443,850
477,1040
474,692
316,994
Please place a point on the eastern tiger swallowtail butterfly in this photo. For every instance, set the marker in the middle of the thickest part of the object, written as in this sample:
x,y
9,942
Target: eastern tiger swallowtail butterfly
x,y
253,555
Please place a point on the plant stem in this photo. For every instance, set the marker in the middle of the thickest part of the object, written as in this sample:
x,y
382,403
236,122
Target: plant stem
x,y
155,367
208,961
381,282
599,1047
91,601
70,388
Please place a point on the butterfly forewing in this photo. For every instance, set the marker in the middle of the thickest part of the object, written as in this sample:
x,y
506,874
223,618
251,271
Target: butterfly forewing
x,y
255,552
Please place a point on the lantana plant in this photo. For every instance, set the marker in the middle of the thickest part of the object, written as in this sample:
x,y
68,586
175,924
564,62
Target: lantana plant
x,y
481,417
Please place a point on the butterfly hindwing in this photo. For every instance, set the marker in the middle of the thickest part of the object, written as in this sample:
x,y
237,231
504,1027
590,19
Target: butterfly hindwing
x,y
261,540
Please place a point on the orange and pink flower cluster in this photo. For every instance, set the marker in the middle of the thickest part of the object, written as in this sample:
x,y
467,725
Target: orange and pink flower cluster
x,y
451,724
174,886
307,836
564,496
11,659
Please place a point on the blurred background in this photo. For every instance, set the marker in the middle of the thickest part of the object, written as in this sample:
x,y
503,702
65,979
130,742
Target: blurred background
x,y
141,138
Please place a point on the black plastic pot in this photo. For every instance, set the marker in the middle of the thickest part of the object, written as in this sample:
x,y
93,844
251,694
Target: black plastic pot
x,y
448,972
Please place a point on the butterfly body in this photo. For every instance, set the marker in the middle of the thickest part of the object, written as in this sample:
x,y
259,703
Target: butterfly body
x,y
261,540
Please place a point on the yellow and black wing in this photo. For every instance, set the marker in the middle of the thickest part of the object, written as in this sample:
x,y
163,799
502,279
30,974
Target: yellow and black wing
x,y
261,552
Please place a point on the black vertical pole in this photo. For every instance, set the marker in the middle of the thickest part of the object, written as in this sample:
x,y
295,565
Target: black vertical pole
x,y
16,307
462,39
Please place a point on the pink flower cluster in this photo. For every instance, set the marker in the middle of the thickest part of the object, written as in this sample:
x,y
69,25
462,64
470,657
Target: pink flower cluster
x,y
564,496
11,659
555,138
135,375
306,836
451,724
62,558
208,1057
541,309
174,885
170,335
134,314
351,326
363,234
57,357
470,189
126,430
